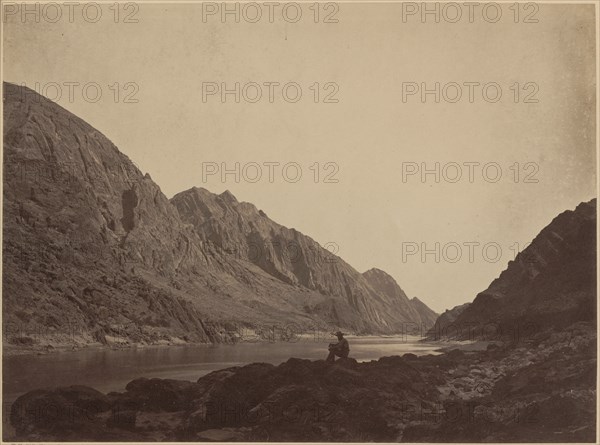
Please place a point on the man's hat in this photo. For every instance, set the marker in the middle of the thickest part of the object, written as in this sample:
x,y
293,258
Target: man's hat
x,y
339,333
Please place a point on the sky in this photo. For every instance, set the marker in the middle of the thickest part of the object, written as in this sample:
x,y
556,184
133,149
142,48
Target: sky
x,y
342,161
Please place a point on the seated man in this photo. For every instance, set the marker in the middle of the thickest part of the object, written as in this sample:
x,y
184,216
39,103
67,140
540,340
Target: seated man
x,y
341,348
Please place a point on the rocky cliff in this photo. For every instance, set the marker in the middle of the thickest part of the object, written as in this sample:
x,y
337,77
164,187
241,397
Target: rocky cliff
x,y
95,252
550,284
240,229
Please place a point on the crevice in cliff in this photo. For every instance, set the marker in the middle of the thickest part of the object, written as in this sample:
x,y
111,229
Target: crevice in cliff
x,y
129,201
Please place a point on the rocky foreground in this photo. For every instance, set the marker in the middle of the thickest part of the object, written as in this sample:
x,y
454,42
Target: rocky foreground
x,y
539,389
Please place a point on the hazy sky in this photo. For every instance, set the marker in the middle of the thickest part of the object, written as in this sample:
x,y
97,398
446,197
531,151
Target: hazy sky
x,y
365,61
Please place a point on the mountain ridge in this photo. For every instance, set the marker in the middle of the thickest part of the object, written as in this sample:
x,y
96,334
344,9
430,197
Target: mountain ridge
x,y
550,284
92,242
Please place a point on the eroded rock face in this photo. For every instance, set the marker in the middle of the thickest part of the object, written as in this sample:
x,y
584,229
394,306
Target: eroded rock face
x,y
91,246
94,251
242,230
537,391
552,283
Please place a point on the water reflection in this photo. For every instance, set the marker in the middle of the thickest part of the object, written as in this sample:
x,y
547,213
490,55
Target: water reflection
x,y
110,370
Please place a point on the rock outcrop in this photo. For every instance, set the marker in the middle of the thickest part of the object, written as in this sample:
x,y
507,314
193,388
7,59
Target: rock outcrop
x,y
550,284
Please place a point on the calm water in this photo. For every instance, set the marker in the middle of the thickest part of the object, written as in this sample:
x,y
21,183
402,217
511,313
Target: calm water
x,y
110,370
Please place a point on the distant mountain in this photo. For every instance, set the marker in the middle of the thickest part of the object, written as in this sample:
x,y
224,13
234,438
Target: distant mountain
x,y
418,312
94,252
444,323
428,317
550,284
450,315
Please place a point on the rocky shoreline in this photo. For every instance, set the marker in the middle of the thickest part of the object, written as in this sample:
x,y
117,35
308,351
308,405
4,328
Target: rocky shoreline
x,y
14,346
542,389
52,347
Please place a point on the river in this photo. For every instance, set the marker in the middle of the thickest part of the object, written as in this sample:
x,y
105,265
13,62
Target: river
x,y
110,370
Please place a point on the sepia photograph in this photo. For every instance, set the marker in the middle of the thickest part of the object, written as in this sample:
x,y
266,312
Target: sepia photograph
x,y
310,221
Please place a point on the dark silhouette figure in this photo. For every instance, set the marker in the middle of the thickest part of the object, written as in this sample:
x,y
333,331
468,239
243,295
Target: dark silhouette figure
x,y
340,349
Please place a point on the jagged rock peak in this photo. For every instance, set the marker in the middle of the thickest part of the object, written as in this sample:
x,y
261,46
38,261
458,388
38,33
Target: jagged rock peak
x,y
227,196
